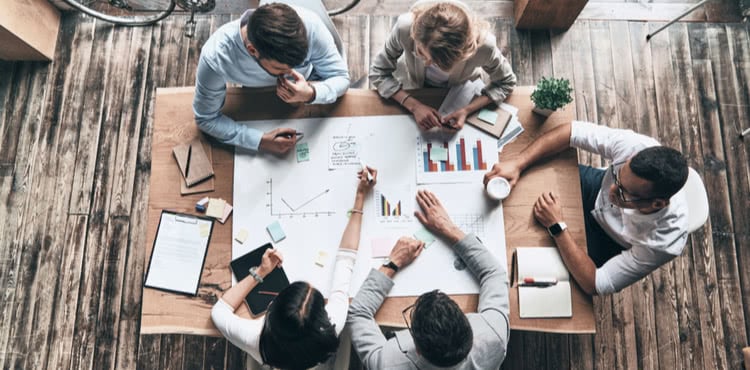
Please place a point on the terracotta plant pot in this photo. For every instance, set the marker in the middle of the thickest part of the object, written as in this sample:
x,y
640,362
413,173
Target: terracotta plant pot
x,y
542,111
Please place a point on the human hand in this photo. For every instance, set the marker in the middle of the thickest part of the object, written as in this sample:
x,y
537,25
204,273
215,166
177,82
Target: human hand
x,y
278,141
547,210
364,186
271,258
426,116
508,169
298,90
406,251
455,121
435,218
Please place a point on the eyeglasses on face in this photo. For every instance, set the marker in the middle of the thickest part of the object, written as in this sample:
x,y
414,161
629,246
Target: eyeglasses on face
x,y
620,190
406,314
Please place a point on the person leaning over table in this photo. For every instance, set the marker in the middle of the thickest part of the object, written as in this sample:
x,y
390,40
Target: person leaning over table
x,y
439,334
635,212
275,44
441,44
299,330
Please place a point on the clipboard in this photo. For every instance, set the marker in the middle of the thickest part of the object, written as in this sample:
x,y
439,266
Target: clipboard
x,y
496,129
263,294
179,252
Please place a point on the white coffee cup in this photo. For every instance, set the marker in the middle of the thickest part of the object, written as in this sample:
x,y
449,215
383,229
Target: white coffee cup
x,y
498,188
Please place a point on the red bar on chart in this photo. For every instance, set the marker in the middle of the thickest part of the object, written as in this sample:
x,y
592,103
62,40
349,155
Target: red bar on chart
x,y
482,164
433,165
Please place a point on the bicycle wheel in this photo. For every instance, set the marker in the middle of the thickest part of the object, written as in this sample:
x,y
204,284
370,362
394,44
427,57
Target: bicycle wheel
x,y
125,12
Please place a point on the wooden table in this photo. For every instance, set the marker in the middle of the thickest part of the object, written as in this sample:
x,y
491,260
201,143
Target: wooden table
x,y
173,124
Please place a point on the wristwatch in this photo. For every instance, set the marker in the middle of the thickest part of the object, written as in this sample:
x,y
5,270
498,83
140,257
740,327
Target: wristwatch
x,y
254,273
389,264
557,228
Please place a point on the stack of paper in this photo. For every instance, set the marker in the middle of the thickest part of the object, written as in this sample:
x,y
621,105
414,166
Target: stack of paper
x,y
512,129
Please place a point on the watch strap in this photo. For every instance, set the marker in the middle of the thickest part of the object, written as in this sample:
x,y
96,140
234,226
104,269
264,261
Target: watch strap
x,y
391,266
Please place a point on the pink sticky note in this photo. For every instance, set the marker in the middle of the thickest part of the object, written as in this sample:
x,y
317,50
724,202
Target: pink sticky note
x,y
227,211
381,247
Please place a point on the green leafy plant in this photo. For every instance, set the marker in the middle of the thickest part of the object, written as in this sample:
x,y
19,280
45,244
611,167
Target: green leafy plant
x,y
552,93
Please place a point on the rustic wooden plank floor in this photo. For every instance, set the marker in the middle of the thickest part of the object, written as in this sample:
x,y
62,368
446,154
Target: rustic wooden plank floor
x,y
75,139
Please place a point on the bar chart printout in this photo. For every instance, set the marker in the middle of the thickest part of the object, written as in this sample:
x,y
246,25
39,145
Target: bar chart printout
x,y
394,204
462,159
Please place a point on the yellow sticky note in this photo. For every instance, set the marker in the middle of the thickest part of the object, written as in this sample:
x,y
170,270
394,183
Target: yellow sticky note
x,y
215,208
204,228
241,236
321,260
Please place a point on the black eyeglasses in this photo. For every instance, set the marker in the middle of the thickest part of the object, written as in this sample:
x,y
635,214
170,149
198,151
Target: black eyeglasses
x,y
406,313
620,190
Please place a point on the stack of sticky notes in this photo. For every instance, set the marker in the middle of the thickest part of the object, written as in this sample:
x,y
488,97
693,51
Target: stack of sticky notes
x,y
321,260
241,236
216,208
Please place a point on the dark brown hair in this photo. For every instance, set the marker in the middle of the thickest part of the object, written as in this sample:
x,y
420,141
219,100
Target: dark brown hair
x,y
277,32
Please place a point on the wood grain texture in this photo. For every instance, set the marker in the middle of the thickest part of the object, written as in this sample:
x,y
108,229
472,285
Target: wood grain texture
x,y
59,269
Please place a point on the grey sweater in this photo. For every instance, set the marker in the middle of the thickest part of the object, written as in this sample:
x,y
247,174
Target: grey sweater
x,y
490,325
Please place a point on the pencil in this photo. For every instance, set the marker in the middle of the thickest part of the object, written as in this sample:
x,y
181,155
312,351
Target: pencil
x,y
267,292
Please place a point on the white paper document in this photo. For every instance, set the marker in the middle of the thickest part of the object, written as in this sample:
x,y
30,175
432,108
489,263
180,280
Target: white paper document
x,y
179,253
463,158
343,151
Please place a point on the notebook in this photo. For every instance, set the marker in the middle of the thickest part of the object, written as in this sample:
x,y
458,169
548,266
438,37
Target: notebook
x,y
495,129
542,264
263,294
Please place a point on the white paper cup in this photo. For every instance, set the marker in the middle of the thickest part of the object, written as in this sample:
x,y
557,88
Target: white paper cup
x,y
498,188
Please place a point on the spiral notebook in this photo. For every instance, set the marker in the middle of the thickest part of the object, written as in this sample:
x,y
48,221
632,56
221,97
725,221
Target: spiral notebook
x,y
263,294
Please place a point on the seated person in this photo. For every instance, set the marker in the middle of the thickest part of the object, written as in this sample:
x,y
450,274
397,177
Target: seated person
x,y
299,330
634,211
439,334
275,44
443,45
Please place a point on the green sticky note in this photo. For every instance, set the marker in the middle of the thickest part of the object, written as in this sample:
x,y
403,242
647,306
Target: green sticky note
x,y
425,236
277,234
438,153
303,152
489,116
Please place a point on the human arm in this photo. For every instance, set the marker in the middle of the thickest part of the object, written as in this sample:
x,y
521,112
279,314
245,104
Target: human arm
x,y
552,142
210,92
385,62
501,76
492,276
328,64
548,212
457,119
630,266
242,332
367,338
338,300
426,117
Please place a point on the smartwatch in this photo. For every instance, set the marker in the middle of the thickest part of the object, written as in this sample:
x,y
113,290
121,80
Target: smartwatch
x,y
391,266
557,228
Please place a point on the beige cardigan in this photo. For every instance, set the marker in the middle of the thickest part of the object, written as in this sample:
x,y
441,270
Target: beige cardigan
x,y
389,73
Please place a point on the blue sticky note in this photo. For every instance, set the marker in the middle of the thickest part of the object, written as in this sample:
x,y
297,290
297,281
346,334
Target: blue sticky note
x,y
277,234
489,116
438,153
425,236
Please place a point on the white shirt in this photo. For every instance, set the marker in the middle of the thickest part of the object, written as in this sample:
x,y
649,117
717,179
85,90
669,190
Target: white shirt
x,y
245,333
435,76
650,240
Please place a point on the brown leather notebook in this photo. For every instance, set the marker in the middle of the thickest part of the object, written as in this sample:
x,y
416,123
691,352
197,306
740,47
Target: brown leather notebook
x,y
496,130
195,165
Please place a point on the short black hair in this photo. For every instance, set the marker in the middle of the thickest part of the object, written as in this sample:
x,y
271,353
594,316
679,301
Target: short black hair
x,y
297,333
441,332
278,33
664,167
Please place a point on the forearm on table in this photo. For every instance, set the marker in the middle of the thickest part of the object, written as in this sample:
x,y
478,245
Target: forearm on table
x,y
477,103
351,235
400,97
236,294
577,261
491,274
552,142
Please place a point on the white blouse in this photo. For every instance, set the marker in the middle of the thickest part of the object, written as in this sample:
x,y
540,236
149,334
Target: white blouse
x,y
245,333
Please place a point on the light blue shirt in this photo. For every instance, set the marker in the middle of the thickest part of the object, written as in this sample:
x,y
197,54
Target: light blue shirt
x,y
224,59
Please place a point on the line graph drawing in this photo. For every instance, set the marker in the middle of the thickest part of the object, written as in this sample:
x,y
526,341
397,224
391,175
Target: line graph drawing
x,y
469,223
294,211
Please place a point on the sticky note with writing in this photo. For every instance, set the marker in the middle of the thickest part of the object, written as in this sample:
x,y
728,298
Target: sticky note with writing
x,y
303,152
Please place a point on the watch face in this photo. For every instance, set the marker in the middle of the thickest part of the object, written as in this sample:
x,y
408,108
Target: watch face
x,y
555,229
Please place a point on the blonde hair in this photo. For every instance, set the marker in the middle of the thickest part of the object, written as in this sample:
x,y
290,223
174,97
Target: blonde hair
x,y
448,32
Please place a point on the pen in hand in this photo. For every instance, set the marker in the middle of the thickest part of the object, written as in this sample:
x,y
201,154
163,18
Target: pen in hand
x,y
366,171
288,135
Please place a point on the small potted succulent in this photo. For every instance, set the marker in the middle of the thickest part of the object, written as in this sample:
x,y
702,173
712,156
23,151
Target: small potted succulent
x,y
551,94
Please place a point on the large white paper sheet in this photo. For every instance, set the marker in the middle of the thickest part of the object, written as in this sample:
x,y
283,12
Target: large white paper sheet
x,y
318,200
